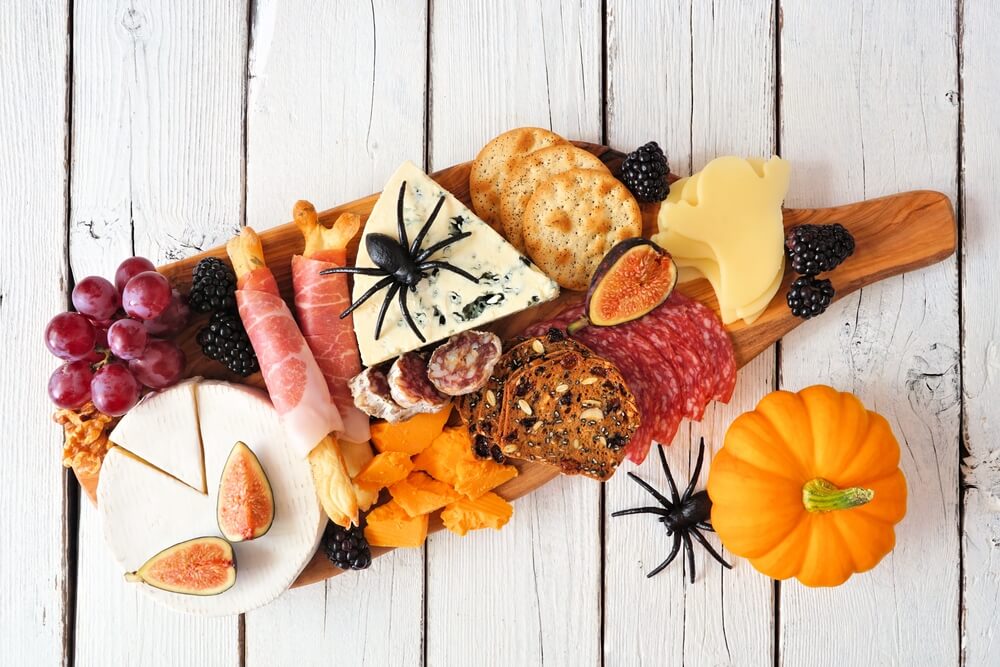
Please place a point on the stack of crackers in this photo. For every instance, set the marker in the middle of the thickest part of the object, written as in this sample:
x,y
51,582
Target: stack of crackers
x,y
555,202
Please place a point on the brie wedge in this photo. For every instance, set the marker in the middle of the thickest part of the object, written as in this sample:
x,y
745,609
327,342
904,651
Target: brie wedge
x,y
144,511
444,302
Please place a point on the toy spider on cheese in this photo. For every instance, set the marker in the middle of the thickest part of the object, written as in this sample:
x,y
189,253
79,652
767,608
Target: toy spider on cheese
x,y
401,267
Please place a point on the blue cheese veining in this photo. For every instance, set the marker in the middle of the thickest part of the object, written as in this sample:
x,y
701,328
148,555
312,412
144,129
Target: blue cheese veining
x,y
443,303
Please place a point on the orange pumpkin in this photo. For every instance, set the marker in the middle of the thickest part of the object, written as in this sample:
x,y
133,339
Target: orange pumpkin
x,y
808,485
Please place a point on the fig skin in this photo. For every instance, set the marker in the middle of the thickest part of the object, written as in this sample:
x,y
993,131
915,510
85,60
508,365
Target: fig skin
x,y
647,294
241,451
143,574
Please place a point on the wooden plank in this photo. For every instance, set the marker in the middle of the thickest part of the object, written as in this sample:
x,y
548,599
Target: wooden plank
x,y
870,116
495,66
33,283
157,149
981,382
715,101
331,114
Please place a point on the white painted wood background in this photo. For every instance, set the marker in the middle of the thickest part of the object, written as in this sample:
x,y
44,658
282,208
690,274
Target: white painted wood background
x,y
160,127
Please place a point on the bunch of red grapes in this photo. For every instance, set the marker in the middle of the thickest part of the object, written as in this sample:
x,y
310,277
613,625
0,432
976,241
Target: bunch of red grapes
x,y
111,345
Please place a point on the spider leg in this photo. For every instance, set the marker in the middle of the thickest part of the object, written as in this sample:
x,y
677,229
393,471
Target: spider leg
x,y
362,271
385,306
670,557
642,510
656,494
427,225
697,471
443,243
670,478
705,525
689,550
708,547
400,225
423,266
367,295
406,314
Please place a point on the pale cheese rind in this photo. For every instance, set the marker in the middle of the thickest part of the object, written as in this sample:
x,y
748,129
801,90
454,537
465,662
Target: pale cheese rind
x,y
444,303
144,511
163,430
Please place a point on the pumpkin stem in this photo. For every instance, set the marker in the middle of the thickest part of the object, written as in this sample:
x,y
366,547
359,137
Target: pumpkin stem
x,y
819,495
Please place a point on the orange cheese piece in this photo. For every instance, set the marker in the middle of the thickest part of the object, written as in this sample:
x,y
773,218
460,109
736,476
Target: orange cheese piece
x,y
474,478
390,526
411,436
384,470
441,458
420,494
487,511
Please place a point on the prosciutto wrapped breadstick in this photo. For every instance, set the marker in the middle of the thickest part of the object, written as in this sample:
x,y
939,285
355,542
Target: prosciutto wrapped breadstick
x,y
293,378
319,301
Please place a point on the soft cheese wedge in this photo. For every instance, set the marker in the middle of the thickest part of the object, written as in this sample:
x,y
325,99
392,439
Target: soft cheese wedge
x,y
163,431
444,303
143,511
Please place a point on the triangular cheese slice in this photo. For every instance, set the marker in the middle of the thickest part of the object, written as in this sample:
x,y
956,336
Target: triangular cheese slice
x,y
162,430
443,303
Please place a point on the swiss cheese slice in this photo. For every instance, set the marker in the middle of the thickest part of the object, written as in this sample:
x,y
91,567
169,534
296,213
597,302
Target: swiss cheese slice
x,y
162,430
444,302
143,511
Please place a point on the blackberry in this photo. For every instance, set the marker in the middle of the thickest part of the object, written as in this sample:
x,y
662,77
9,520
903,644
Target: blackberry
x,y
347,548
213,286
225,340
814,249
809,296
644,173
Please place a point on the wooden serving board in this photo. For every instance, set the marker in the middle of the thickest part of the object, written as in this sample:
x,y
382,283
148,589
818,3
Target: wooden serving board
x,y
893,235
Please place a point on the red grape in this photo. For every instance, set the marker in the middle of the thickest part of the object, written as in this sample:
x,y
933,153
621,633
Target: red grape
x,y
146,295
130,268
172,320
70,336
96,298
127,339
114,389
161,365
69,385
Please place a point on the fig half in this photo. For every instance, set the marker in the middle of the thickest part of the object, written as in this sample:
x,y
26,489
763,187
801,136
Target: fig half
x,y
202,566
634,278
245,507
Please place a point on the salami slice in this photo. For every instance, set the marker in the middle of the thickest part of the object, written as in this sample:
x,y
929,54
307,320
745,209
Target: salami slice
x,y
463,364
410,386
370,389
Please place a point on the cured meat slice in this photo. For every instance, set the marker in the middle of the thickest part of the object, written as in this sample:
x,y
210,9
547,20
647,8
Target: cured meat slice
x,y
464,363
294,380
410,387
319,301
675,360
370,392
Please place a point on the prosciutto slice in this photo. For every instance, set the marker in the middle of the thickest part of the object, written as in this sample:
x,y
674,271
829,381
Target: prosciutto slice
x,y
319,301
292,376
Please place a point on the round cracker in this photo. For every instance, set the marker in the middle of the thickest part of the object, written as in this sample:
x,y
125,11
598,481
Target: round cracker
x,y
490,167
527,173
574,219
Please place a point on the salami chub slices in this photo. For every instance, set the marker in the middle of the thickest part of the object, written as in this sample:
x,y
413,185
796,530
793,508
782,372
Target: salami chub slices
x,y
675,360
410,386
464,363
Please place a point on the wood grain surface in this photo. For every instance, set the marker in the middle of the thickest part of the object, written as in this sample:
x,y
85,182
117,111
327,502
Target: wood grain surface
x,y
160,128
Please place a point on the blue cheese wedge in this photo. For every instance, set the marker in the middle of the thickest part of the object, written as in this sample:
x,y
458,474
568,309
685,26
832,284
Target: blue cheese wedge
x,y
444,302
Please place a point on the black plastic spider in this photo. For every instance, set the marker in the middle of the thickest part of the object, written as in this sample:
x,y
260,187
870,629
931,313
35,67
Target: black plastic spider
x,y
684,516
401,267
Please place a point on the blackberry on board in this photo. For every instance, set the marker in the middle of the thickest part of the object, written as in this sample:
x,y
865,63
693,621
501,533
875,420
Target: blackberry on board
x,y
644,173
809,296
347,548
213,286
225,340
814,249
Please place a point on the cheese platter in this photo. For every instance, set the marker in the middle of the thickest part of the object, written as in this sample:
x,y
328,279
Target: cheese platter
x,y
532,223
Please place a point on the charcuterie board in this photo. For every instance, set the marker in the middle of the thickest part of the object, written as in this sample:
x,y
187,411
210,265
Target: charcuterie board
x,y
894,234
